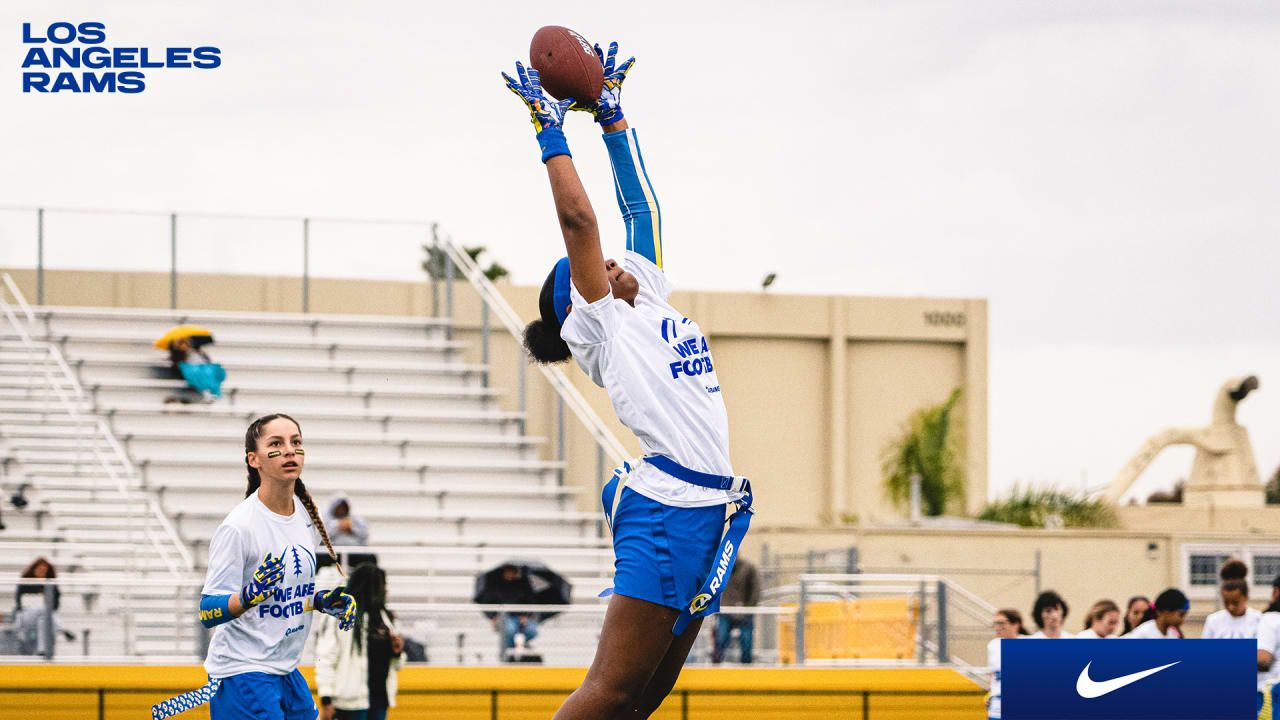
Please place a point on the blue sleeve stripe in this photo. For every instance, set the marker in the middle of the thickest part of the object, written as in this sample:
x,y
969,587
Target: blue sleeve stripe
x,y
636,198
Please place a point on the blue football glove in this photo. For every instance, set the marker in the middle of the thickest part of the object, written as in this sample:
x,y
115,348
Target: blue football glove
x,y
268,574
547,116
337,603
608,107
545,113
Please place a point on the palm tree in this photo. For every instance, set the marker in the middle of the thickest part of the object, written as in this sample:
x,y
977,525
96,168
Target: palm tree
x,y
928,447
1037,507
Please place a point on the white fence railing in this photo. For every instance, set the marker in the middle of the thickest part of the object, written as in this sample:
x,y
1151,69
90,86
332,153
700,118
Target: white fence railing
x,y
938,618
65,386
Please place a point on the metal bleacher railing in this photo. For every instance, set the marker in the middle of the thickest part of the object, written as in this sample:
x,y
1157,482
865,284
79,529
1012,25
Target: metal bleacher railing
x,y
310,231
60,384
833,620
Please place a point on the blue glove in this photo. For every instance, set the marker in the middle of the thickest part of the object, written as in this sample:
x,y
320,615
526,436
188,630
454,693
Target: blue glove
x,y
337,603
268,574
548,116
608,107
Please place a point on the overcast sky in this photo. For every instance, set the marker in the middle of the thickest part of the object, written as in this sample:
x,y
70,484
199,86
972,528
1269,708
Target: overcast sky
x,y
1105,173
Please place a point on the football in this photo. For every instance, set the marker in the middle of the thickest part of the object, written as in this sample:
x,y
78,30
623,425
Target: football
x,y
567,64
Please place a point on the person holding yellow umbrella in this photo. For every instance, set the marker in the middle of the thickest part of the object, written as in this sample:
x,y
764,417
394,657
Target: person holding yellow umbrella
x,y
190,363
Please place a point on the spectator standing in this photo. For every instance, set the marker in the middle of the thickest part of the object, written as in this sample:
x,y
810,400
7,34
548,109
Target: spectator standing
x,y
1236,619
1171,609
356,671
348,528
743,589
1135,613
1008,626
1049,613
40,598
1101,621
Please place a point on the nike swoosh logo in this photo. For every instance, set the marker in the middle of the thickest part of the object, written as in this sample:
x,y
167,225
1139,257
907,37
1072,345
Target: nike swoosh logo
x,y
1089,688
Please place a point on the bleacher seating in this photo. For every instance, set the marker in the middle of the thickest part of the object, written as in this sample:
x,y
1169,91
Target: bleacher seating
x,y
393,418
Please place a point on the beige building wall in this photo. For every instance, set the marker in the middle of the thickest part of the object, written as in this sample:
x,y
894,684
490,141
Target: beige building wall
x,y
815,385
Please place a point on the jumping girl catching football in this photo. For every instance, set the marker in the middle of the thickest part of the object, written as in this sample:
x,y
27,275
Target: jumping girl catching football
x,y
667,513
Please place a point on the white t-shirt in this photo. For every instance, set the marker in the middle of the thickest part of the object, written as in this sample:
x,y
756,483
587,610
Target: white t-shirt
x,y
1039,635
1150,631
1269,640
269,637
1090,634
993,665
1223,624
657,368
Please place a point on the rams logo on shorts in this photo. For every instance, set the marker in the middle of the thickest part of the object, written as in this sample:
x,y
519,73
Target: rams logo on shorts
x,y
700,603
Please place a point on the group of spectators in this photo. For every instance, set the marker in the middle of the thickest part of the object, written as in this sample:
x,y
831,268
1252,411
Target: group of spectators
x,y
1143,619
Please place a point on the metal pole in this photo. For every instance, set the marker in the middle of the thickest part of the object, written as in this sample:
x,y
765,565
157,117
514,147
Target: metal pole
x,y
448,292
800,617
600,485
1037,573
47,623
560,436
851,560
924,616
306,265
40,256
433,252
484,338
915,497
942,622
173,261
522,360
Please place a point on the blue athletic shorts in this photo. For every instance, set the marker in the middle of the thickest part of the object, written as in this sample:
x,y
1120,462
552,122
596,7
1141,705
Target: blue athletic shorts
x,y
260,696
663,554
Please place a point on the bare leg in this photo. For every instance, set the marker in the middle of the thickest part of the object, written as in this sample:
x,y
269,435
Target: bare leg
x,y
634,642
668,670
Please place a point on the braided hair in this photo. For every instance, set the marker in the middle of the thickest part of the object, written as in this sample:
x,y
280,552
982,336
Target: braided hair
x,y
251,437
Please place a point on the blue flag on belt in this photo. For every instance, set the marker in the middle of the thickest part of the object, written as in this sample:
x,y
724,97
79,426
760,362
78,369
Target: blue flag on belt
x,y
1128,679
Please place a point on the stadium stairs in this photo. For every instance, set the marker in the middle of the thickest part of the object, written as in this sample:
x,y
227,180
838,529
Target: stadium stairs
x,y
393,418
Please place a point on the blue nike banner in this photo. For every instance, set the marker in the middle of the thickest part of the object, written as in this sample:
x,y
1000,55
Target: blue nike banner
x,y
1128,679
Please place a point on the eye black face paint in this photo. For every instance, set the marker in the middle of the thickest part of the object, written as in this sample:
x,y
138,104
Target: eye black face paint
x,y
273,454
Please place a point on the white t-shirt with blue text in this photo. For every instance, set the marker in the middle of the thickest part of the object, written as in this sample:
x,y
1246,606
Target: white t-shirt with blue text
x,y
269,637
659,373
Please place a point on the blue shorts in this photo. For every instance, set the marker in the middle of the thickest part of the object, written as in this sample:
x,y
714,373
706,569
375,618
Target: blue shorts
x,y
260,696
663,554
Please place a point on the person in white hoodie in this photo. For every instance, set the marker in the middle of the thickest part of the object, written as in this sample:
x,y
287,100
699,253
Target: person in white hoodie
x,y
356,671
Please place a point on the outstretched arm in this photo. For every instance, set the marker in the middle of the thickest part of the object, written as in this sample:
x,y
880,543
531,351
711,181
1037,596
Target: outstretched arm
x,y
573,208
579,228
636,198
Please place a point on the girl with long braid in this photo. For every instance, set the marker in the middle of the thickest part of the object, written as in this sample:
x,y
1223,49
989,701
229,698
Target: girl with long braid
x,y
260,588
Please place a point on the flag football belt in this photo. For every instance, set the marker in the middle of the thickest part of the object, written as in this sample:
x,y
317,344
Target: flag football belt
x,y
731,541
185,701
